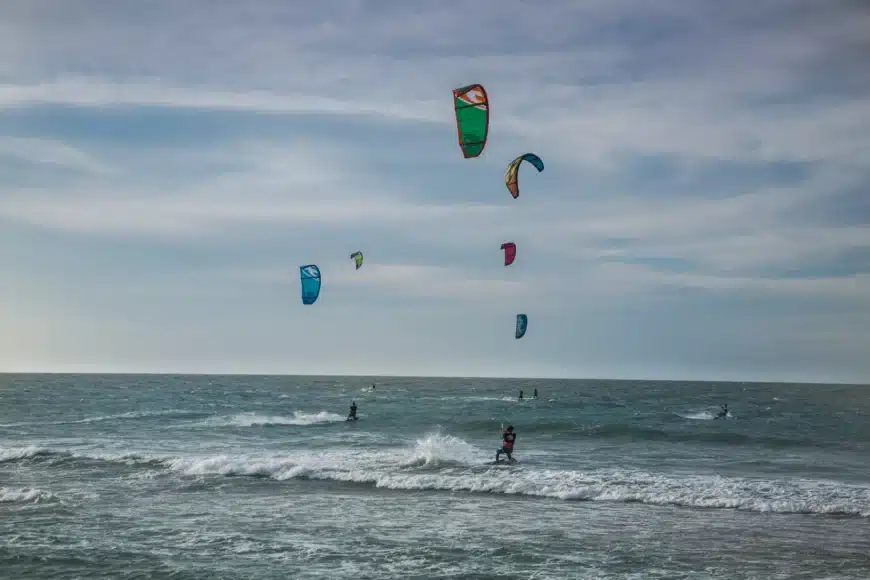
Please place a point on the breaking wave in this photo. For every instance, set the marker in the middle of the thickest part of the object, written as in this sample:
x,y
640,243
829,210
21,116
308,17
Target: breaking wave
x,y
442,462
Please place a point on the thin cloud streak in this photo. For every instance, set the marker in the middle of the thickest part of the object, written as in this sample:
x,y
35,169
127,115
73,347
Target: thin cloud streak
x,y
174,215
637,278
50,152
98,93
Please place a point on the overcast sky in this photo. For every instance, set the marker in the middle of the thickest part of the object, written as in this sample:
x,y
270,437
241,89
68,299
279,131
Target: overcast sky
x,y
167,166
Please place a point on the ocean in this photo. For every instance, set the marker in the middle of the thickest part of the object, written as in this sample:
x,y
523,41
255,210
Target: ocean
x,y
255,477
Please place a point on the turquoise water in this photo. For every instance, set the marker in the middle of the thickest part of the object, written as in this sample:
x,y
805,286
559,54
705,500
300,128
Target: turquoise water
x,y
216,477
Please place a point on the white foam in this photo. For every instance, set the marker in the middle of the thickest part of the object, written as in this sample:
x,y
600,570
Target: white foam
x,y
23,495
443,462
18,453
703,415
438,449
8,454
100,418
256,420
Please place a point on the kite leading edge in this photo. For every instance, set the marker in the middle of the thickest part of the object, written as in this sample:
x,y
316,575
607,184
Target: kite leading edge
x,y
310,276
471,106
511,175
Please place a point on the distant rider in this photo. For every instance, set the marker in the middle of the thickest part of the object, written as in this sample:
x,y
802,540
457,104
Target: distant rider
x,y
507,444
352,415
723,413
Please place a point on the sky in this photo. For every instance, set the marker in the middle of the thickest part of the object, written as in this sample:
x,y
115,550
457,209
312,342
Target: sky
x,y
704,213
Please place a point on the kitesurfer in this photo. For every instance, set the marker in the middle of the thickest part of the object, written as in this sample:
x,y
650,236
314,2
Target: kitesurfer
x,y
723,413
521,394
352,416
536,393
507,444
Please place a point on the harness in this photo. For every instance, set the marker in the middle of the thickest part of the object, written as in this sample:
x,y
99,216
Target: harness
x,y
508,441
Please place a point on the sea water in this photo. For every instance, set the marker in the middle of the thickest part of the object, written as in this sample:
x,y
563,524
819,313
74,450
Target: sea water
x,y
248,477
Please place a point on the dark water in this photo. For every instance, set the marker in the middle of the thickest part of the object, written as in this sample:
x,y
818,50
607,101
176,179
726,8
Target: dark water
x,y
261,477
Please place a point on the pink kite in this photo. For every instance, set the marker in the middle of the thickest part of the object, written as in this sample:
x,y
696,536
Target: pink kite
x,y
510,252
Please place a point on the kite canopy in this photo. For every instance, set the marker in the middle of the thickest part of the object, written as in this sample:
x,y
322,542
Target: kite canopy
x,y
358,257
510,177
522,324
510,252
310,276
472,119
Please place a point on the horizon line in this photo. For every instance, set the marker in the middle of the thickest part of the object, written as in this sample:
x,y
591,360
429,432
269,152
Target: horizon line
x,y
436,376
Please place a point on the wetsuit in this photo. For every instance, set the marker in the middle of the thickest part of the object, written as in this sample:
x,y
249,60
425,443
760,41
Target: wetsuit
x,y
507,445
352,412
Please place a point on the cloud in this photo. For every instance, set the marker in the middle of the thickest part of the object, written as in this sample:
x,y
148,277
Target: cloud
x,y
752,232
628,277
245,184
590,101
207,213
721,243
50,152
100,93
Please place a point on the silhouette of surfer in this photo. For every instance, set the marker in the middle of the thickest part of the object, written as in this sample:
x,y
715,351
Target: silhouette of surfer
x,y
723,413
352,415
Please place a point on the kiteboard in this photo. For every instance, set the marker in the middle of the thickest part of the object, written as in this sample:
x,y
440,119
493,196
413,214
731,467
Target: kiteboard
x,y
504,462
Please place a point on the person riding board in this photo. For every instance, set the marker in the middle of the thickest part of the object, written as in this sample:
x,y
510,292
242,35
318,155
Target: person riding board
x,y
507,444
352,415
723,413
